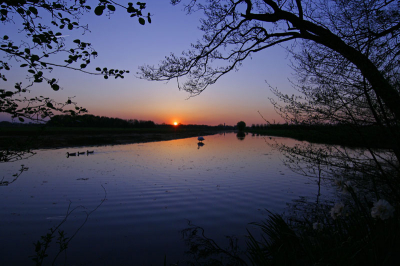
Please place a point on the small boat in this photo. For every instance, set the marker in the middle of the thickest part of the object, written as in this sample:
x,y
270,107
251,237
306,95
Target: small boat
x,y
89,152
80,153
71,154
200,138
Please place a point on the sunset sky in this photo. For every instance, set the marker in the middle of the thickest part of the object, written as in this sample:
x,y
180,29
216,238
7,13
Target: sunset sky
x,y
125,44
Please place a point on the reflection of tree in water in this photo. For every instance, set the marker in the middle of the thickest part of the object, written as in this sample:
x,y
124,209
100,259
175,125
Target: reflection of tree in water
x,y
369,172
17,147
205,251
42,246
241,135
15,176
16,151
15,155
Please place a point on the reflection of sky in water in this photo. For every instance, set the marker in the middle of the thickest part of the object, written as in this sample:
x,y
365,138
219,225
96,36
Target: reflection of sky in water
x,y
152,189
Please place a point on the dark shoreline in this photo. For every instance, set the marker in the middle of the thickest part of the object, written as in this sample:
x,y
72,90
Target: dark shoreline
x,y
79,139
35,137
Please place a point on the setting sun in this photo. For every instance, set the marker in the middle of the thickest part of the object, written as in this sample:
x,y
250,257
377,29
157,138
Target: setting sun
x,y
175,123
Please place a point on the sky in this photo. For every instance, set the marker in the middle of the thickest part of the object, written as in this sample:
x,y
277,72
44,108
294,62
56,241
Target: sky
x,y
123,43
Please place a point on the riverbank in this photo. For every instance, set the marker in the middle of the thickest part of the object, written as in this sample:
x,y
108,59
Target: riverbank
x,y
343,135
49,137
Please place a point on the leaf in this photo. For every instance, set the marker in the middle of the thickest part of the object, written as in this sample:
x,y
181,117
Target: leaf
x,y
5,37
33,10
77,41
34,57
98,68
99,10
21,119
24,65
142,21
50,105
55,87
70,26
111,7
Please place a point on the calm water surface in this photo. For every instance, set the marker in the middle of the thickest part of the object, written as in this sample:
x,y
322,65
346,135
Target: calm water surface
x,y
151,191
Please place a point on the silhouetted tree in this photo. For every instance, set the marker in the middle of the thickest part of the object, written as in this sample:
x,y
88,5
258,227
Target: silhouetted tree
x,y
241,125
235,30
332,90
347,61
40,49
41,45
346,56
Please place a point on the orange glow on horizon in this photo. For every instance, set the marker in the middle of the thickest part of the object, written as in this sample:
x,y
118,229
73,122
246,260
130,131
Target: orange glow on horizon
x,y
175,123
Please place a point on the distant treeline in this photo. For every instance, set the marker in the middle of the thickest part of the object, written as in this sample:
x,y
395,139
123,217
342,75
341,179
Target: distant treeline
x,y
109,122
199,127
92,121
305,126
289,126
97,121
340,134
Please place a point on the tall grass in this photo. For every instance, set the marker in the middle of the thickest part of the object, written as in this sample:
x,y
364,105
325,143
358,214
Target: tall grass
x,y
360,233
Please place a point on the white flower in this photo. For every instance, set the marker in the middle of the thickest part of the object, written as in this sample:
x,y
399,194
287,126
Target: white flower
x,y
382,209
318,226
337,210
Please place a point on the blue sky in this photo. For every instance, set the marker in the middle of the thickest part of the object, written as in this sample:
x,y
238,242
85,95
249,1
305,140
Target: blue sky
x,y
125,44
